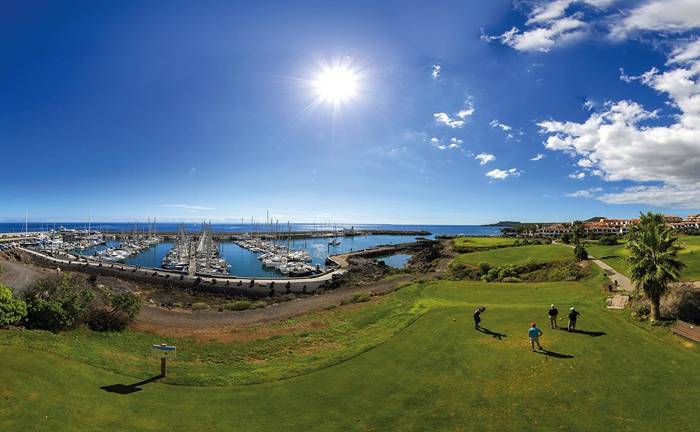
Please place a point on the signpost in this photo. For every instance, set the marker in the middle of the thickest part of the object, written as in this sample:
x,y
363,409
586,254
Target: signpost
x,y
165,352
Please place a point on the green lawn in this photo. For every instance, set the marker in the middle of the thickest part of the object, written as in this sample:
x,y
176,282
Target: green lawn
x,y
516,255
616,256
409,361
483,242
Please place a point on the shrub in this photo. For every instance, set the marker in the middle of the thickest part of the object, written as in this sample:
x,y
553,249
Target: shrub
x,y
12,310
511,279
360,297
124,308
484,267
682,302
608,240
567,271
103,320
492,275
197,306
58,303
580,253
238,305
126,303
566,238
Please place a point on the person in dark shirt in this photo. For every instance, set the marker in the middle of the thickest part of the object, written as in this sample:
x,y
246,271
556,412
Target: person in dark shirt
x,y
477,316
553,314
573,316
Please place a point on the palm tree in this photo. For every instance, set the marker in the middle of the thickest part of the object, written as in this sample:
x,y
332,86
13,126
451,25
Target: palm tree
x,y
653,258
577,230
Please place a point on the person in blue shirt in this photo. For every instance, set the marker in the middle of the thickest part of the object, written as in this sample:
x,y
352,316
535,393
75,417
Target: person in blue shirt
x,y
534,334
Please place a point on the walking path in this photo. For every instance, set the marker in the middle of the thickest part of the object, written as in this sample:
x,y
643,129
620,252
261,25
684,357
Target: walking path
x,y
623,282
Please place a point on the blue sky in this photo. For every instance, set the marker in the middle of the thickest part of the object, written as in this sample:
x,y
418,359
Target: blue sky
x,y
121,111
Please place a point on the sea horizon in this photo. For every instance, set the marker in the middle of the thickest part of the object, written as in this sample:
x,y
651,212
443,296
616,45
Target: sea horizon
x,y
434,229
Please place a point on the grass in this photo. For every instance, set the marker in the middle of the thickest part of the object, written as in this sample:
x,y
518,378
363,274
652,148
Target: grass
x,y
482,242
516,255
408,361
616,256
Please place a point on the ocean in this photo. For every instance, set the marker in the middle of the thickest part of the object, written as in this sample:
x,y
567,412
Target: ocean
x,y
474,230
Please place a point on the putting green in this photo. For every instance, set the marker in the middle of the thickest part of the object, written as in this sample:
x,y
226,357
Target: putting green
x,y
433,372
516,255
483,242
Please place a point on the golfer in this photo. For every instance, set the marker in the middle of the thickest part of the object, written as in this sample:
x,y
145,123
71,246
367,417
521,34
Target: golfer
x,y
573,316
534,334
477,316
553,314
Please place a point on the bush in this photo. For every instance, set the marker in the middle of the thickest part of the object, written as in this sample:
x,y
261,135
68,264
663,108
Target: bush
x,y
682,302
484,267
511,279
238,305
12,310
608,240
568,271
360,297
198,306
58,303
580,253
566,238
124,308
104,320
126,303
258,304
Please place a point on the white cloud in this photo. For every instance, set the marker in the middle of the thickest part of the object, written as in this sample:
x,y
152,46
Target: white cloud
x,y
543,38
503,174
618,143
552,10
188,207
458,120
585,193
578,175
485,158
658,15
538,156
503,126
466,112
548,25
445,119
453,143
437,69
589,105
685,197
685,52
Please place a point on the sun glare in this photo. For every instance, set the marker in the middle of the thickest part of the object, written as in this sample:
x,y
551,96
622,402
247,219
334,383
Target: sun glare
x,y
336,84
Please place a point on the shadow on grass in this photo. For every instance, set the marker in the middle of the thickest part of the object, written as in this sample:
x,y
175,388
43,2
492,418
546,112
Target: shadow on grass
x,y
549,353
498,336
124,389
585,332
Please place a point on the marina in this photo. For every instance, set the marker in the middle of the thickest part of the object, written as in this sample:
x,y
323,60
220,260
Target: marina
x,y
231,250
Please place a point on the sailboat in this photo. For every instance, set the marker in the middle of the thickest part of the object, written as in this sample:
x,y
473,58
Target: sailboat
x,y
335,241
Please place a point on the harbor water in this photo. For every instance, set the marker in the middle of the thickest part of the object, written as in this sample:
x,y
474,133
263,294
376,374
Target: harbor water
x,y
245,263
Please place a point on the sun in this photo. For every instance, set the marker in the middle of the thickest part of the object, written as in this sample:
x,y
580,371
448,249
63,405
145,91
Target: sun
x,y
336,84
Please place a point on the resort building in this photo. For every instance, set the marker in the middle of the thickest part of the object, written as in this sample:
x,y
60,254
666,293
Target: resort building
x,y
604,226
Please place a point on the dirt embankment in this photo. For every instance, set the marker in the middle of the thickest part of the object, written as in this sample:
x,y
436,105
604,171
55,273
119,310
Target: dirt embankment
x,y
18,274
